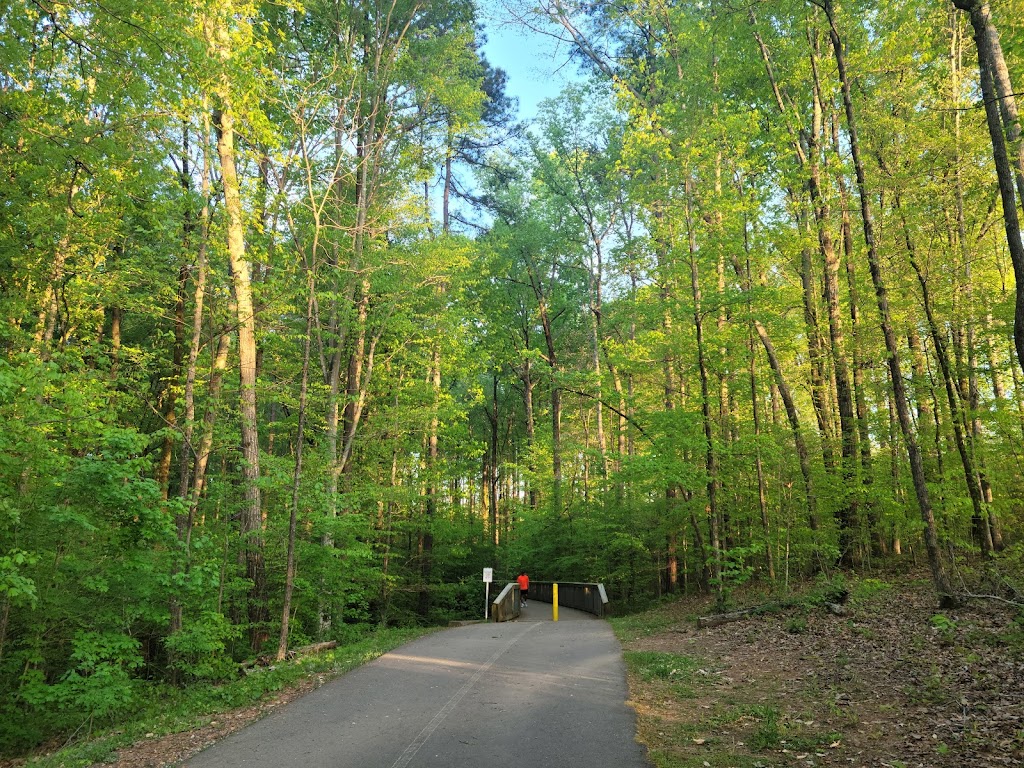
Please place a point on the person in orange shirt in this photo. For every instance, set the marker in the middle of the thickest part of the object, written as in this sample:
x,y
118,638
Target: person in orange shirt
x,y
524,587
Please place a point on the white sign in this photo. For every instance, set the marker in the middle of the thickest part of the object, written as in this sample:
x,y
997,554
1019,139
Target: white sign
x,y
488,575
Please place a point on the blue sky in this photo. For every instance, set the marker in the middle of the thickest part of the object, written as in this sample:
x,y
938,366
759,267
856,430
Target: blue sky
x,y
538,65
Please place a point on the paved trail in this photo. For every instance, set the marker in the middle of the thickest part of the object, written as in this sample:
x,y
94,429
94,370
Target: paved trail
x,y
525,694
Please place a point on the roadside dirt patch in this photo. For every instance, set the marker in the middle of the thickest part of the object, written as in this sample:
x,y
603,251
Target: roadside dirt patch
x,y
891,683
160,751
174,748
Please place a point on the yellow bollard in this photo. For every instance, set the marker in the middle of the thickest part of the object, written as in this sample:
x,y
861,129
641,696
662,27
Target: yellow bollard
x,y
554,602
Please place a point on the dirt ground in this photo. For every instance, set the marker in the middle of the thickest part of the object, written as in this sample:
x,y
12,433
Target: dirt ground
x,y
890,683
174,748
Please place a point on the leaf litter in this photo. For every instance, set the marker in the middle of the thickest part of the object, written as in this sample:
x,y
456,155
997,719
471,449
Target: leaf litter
x,y
892,683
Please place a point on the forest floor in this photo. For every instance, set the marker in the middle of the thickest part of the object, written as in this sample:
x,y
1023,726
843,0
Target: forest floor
x,y
891,682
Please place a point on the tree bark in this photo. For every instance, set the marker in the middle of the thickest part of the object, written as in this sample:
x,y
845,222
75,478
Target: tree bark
x,y
980,518
711,466
185,477
250,518
531,427
300,439
556,389
847,511
1007,98
879,542
984,34
940,576
803,455
182,520
426,536
806,152
205,446
669,391
169,395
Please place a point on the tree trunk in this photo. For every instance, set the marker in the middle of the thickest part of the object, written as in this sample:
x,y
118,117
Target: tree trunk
x,y
669,393
185,469
803,454
556,389
980,518
169,395
762,493
183,520
1007,98
939,573
300,439
531,427
984,34
709,445
251,519
203,450
879,541
426,545
806,153
490,467
816,357
847,510
596,298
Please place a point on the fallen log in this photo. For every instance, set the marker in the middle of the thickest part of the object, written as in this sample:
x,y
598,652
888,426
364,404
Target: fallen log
x,y
307,650
267,660
704,622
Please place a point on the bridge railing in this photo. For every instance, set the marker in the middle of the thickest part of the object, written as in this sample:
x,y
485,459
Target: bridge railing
x,y
507,605
589,597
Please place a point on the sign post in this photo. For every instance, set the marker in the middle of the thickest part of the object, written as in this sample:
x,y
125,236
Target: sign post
x,y
488,578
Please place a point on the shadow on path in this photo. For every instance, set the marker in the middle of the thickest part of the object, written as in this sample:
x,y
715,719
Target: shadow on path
x,y
530,694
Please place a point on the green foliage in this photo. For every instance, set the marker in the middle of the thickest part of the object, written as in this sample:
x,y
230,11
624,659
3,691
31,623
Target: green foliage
x,y
655,665
944,627
829,589
163,709
201,649
636,625
865,589
796,625
930,689
100,683
942,623
15,587
1005,575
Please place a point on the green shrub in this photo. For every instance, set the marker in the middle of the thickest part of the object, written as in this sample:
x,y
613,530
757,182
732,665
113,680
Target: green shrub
x,y
796,625
458,600
829,589
199,650
945,627
865,589
99,685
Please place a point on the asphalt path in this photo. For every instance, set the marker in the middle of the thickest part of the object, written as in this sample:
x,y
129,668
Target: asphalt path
x,y
528,694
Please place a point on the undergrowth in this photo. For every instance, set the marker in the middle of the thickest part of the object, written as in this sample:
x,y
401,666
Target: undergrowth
x,y
164,709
